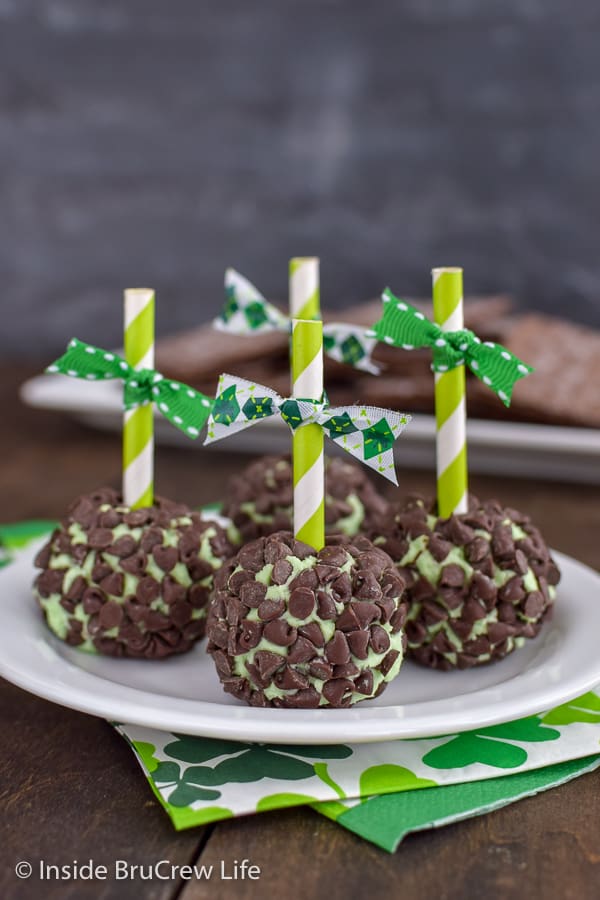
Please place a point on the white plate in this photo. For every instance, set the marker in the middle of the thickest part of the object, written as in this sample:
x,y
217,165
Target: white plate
x,y
522,449
182,694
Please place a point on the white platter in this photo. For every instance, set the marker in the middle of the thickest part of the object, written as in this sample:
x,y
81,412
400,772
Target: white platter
x,y
508,448
182,694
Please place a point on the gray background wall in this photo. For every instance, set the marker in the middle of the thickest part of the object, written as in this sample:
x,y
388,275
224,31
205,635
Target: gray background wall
x,y
158,141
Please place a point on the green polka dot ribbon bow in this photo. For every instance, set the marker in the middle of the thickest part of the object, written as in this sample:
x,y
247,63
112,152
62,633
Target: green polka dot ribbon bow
x,y
246,312
186,408
404,326
366,432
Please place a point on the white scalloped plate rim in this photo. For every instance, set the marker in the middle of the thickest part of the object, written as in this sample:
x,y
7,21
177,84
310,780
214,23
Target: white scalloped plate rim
x,y
182,694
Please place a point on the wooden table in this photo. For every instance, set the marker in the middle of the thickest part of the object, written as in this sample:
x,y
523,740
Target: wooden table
x,y
71,789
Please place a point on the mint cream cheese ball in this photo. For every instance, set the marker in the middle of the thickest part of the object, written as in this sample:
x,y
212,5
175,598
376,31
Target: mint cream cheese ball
x,y
292,627
478,584
258,500
129,582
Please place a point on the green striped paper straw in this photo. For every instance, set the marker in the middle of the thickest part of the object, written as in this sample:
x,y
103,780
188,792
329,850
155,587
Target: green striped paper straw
x,y
450,407
138,424
304,288
309,466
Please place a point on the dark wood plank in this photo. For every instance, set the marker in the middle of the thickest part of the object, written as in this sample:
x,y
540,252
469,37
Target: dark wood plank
x,y
71,789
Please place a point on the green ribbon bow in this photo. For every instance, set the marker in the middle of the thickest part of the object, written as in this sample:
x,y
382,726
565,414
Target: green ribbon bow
x,y
404,326
184,407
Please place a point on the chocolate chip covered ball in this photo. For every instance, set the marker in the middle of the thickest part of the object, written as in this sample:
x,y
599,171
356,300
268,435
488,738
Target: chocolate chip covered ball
x,y
259,499
293,628
129,582
478,584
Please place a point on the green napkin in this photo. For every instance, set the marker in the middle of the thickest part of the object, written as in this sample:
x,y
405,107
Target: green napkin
x,y
381,791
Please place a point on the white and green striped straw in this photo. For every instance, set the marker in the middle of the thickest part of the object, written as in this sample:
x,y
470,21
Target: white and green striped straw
x,y
307,384
138,423
304,288
450,407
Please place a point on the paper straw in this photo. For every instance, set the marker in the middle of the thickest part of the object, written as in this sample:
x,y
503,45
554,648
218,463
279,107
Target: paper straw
x,y
304,288
450,408
138,424
309,471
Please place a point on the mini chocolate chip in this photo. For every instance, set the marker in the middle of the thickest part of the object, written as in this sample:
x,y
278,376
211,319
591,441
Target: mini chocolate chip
x,y
275,550
521,564
69,605
320,668
512,590
461,629
76,589
135,564
413,523
280,632
238,579
422,589
110,615
483,588
441,644
312,632
458,532
341,588
147,590
83,511
364,683
347,620
366,586
181,613
306,579
301,651
477,550
251,556
553,574
235,611
325,606
155,620
136,517
290,679
301,602
326,574
380,639
109,519
170,589
432,612
438,547
452,575
358,641
93,599
268,663
221,662
149,539
366,612
479,646
43,556
416,632
302,550
336,690
534,604
165,557
473,610
281,571
252,593
332,556
399,618
499,631
100,538
507,613
100,570
503,545
123,547
337,650
307,699
270,609
113,584
388,661
251,633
